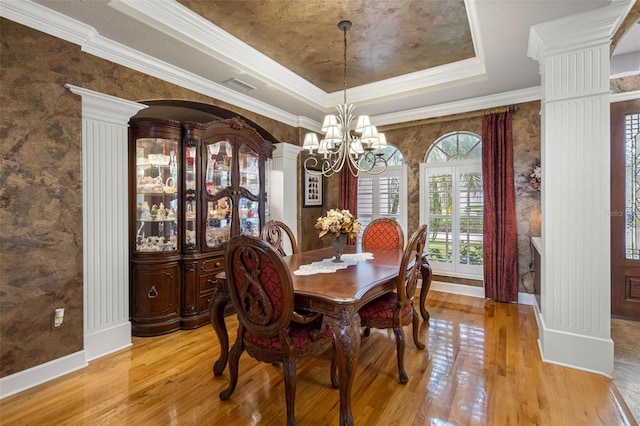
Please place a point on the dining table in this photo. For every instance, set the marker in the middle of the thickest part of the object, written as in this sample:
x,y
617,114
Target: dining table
x,y
338,295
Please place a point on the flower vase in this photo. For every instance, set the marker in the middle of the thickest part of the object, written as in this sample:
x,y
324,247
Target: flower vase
x,y
338,246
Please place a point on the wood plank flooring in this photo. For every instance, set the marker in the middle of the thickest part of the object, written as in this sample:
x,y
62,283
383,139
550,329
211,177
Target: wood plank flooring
x,y
481,367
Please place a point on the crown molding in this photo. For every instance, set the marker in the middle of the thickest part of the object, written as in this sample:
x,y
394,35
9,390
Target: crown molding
x,y
178,21
576,32
625,96
53,23
457,107
47,21
449,75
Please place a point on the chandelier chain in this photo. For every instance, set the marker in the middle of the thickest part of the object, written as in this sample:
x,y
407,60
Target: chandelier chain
x,y
344,80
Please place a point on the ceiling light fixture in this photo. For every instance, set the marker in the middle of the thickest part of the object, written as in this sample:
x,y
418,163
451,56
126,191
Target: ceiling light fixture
x,y
341,144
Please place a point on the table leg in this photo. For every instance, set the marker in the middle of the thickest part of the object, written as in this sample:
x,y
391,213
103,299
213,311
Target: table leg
x,y
346,338
426,272
216,311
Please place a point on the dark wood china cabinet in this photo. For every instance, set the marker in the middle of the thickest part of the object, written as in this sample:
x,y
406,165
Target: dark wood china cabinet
x,y
193,186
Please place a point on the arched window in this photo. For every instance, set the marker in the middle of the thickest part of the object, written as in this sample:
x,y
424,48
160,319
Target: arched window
x,y
451,200
384,194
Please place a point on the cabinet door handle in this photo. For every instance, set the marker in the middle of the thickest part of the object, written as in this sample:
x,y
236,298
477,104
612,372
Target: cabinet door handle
x,y
153,293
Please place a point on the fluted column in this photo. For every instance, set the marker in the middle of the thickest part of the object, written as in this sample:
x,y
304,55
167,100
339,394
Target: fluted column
x,y
283,187
105,120
575,279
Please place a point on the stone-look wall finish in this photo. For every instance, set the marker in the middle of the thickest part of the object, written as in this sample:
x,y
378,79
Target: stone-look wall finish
x,y
41,214
414,142
41,195
625,84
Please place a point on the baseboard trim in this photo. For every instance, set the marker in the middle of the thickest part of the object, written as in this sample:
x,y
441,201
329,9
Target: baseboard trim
x,y
96,345
107,341
26,379
473,291
465,290
575,351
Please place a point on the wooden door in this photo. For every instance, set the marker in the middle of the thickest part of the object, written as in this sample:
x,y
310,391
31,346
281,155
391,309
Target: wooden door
x,y
625,256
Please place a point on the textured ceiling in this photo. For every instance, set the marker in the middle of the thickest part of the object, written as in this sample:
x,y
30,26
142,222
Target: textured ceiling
x,y
407,59
388,38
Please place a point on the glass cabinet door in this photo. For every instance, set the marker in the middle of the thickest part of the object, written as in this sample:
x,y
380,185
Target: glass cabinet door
x,y
156,195
249,217
190,198
218,224
249,170
217,178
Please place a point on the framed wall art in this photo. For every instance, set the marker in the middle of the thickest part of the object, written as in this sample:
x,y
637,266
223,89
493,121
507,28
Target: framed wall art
x,y
313,190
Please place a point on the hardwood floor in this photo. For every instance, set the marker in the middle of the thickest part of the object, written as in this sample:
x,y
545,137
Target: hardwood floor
x,y
481,367
626,376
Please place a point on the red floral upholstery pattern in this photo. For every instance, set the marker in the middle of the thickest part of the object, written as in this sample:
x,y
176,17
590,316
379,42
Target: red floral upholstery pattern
x,y
383,308
382,234
301,336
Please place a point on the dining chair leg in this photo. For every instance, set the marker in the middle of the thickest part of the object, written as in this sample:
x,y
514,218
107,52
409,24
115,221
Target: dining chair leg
x,y
400,345
289,370
416,326
234,359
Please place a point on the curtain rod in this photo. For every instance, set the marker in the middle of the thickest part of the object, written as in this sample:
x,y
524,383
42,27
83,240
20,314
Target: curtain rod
x,y
453,117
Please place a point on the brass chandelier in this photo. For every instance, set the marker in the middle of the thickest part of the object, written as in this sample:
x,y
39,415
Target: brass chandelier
x,y
359,147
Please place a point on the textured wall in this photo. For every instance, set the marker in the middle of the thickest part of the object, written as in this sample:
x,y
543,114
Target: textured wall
x,y
41,265
41,185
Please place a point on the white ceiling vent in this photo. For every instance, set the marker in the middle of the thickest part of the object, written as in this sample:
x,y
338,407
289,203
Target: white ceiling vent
x,y
238,85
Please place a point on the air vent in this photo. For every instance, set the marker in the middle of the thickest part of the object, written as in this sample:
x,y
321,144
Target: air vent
x,y
238,85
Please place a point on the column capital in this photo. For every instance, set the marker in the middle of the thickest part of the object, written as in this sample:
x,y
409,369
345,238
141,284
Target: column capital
x,y
576,32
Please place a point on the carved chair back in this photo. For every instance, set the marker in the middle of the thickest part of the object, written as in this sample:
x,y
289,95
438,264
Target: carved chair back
x,y
279,236
411,264
259,285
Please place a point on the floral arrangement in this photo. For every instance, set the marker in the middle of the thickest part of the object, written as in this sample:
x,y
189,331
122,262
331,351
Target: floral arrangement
x,y
535,175
336,222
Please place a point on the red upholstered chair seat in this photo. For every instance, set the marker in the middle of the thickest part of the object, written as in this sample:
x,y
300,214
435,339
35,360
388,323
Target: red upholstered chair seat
x,y
382,309
302,336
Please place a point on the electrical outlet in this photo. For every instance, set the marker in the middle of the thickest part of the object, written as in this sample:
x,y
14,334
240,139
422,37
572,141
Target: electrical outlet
x,y
58,318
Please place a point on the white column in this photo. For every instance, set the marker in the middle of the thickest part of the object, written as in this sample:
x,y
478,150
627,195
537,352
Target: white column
x,y
575,279
283,188
105,120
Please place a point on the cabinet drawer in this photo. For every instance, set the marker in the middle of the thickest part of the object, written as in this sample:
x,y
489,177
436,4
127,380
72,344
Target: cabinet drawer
x,y
212,266
208,282
205,300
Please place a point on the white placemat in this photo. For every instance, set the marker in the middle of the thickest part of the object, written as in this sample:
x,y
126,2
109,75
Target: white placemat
x,y
326,266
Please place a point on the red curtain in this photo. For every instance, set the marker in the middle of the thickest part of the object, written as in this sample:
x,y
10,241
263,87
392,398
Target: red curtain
x,y
500,228
348,194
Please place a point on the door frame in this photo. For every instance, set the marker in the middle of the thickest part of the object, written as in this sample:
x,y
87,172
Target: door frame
x,y
621,269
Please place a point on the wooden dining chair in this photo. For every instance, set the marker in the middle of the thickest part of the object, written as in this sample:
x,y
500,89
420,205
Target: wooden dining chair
x,y
261,290
383,233
280,236
395,309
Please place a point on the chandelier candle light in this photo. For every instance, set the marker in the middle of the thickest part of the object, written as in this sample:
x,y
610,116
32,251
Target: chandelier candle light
x,y
341,145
